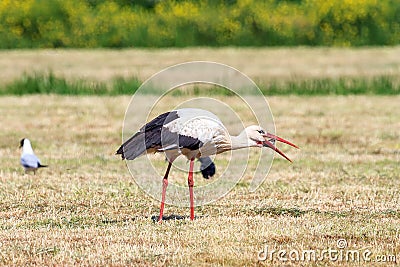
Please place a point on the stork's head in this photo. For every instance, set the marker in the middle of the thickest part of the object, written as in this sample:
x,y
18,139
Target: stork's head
x,y
258,137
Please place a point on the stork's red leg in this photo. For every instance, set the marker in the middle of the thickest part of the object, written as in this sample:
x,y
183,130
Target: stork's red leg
x,y
191,184
164,189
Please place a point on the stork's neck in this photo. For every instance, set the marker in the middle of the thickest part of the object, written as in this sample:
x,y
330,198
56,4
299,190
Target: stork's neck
x,y
240,141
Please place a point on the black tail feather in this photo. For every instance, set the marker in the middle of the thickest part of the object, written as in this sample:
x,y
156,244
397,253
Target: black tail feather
x,y
42,166
133,147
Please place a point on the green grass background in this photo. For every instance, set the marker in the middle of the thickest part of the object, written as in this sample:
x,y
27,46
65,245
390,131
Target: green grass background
x,y
49,83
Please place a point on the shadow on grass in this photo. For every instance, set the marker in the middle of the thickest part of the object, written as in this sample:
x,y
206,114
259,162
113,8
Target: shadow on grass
x,y
174,217
278,211
154,218
296,212
115,221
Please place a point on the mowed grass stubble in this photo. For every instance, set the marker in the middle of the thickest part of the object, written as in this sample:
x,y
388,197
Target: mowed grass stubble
x,y
86,209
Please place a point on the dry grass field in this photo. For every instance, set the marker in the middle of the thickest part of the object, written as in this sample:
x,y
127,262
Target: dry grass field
x,y
85,209
258,63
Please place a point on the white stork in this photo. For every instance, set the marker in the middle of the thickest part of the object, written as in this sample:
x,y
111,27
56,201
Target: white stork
x,y
28,159
194,133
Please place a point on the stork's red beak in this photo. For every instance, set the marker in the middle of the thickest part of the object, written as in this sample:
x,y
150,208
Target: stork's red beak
x,y
270,137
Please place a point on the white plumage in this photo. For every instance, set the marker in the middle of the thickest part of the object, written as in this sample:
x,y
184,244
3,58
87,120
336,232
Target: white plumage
x,y
201,128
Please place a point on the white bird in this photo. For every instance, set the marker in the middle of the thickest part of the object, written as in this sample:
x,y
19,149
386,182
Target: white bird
x,y
28,159
194,133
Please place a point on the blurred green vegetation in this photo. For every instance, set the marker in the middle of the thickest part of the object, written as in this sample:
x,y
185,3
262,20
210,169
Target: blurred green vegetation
x,y
48,83
152,23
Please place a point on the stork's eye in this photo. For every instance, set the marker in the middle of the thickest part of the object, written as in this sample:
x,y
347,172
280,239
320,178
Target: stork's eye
x,y
261,131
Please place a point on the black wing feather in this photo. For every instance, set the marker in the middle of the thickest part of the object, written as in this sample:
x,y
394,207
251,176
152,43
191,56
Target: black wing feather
x,y
153,135
149,136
